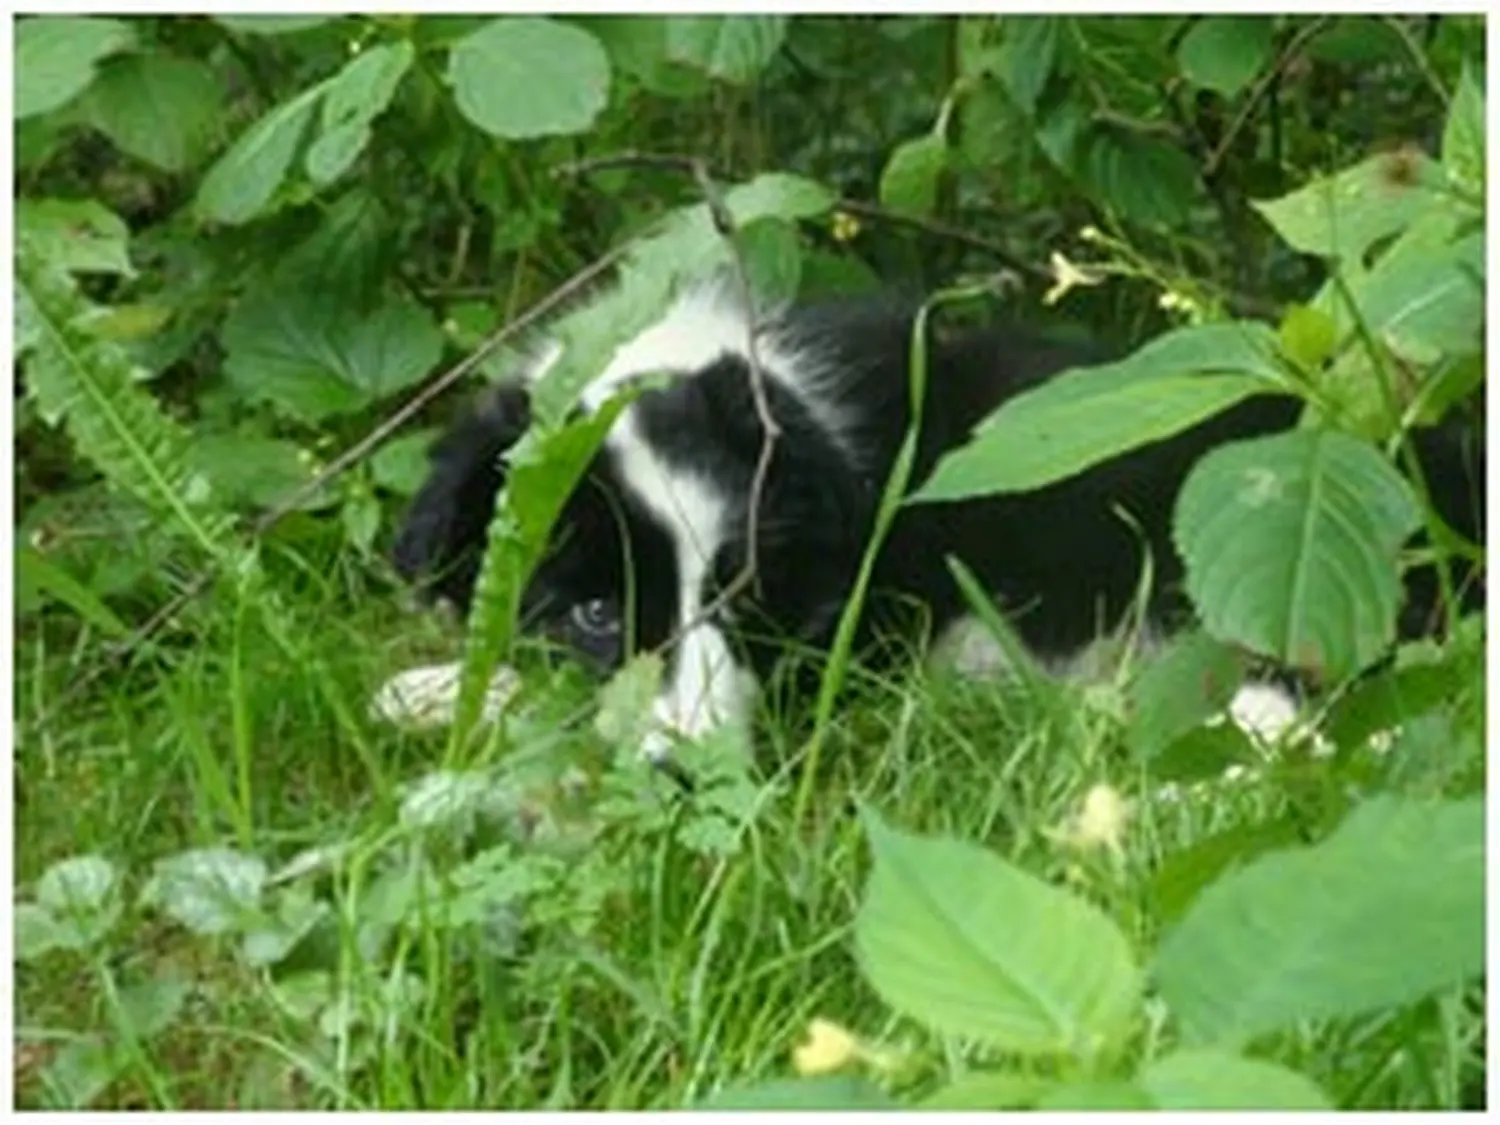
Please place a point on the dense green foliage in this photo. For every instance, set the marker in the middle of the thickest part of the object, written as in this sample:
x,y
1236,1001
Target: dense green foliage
x,y
244,241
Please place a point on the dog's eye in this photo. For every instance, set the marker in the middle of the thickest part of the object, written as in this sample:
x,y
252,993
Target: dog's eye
x,y
596,616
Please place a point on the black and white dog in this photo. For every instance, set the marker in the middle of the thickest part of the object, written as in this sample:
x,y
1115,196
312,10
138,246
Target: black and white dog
x,y
659,525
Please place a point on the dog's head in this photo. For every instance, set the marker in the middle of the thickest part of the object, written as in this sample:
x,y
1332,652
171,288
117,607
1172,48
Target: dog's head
x,y
589,593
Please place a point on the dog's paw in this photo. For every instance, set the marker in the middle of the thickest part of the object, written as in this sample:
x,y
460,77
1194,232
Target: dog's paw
x,y
425,698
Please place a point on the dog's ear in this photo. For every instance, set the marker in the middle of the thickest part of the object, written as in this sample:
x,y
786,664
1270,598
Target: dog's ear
x,y
441,542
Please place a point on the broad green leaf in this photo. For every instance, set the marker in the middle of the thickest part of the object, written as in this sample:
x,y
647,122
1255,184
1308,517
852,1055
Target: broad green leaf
x,y
1344,215
161,109
1088,415
1291,545
1429,305
1464,136
777,194
825,1092
400,465
242,182
1308,335
772,257
1203,1079
272,25
1361,42
1095,1094
1026,56
971,946
909,182
521,77
56,56
637,46
148,1007
1182,875
212,891
1145,180
987,1090
1387,910
1223,53
735,48
356,96
81,897
1193,680
35,932
316,362
78,235
81,1071
256,471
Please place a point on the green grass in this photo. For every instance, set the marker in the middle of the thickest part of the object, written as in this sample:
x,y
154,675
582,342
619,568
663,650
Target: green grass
x,y
666,949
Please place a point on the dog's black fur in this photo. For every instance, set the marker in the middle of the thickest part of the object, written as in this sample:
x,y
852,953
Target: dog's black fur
x,y
1060,560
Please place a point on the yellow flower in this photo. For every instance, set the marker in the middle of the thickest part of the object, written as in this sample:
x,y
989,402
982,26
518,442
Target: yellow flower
x,y
828,1047
1100,822
1067,276
845,226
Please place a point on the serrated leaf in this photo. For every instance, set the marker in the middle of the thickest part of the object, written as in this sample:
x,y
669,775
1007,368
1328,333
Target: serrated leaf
x,y
971,946
161,109
211,891
1217,1080
1087,415
1387,910
625,701
1223,53
90,385
241,184
521,77
1344,215
823,1092
1464,136
316,361
56,57
1291,545
909,182
1146,181
78,235
442,798
734,48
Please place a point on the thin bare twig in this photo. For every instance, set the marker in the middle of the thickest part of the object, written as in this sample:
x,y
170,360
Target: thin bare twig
x,y
339,465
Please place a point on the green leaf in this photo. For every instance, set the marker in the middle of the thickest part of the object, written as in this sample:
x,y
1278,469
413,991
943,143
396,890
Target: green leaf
x,y
257,471
1102,1093
734,48
56,56
240,185
80,895
400,465
81,1071
1026,56
987,1090
148,1007
772,256
1464,136
1387,910
90,385
34,932
1223,53
356,96
1193,680
1183,874
78,235
1088,415
39,574
972,946
625,700
1344,215
1146,181
1218,1080
826,1092
637,46
521,77
211,891
1428,305
1308,336
1291,545
271,25
316,362
909,182
161,109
